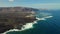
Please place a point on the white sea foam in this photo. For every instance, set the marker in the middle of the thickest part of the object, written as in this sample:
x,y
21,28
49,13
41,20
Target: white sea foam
x,y
28,25
48,17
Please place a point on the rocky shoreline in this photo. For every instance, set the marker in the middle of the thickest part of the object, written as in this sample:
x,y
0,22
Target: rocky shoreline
x,y
15,17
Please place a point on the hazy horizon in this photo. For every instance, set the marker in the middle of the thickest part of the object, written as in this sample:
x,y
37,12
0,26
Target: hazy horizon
x,y
44,4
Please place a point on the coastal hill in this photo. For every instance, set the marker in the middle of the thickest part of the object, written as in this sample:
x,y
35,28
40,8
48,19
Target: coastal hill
x,y
11,17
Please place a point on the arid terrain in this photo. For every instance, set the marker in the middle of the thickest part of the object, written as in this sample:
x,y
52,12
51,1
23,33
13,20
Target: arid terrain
x,y
11,17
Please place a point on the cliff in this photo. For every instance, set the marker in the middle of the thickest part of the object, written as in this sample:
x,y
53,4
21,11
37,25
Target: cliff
x,y
11,17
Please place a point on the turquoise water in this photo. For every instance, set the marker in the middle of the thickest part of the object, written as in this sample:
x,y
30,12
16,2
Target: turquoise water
x,y
48,26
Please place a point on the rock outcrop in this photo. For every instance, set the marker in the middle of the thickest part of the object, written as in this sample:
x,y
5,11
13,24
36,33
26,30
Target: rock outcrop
x,y
11,17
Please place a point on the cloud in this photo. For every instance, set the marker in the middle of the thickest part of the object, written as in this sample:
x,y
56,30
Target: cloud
x,y
11,0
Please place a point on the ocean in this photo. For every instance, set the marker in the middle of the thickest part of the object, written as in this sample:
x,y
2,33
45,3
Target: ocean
x,y
49,23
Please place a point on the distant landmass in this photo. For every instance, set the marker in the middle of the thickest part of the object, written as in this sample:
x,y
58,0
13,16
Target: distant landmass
x,y
12,17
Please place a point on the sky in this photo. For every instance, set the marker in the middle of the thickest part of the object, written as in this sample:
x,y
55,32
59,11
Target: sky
x,y
44,4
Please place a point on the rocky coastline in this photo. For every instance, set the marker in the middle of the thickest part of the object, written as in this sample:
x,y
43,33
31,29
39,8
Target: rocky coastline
x,y
12,17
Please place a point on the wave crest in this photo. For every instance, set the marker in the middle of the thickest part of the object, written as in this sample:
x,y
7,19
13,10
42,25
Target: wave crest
x,y
29,25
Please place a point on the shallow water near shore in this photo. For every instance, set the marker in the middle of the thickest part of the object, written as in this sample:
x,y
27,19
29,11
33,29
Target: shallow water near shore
x,y
47,24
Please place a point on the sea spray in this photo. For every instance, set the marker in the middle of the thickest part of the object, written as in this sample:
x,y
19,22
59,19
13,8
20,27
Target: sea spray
x,y
28,25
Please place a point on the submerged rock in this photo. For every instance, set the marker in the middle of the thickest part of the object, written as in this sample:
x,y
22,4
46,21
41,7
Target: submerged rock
x,y
12,17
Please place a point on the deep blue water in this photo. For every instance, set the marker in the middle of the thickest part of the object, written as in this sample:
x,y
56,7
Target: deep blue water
x,y
48,26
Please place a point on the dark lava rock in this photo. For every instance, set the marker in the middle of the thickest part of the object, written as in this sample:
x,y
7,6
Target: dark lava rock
x,y
4,28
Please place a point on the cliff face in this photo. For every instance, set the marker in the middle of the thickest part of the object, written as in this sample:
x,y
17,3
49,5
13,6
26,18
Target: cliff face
x,y
11,17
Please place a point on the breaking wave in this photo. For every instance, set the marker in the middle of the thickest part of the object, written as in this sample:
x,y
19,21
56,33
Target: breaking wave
x,y
30,25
